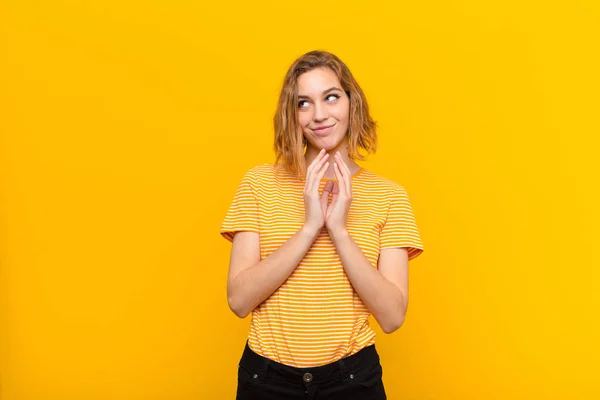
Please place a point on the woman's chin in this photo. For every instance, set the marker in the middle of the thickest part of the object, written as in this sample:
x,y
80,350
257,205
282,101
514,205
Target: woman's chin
x,y
328,143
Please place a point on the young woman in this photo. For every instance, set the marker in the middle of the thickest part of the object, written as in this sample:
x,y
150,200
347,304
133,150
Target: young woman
x,y
319,244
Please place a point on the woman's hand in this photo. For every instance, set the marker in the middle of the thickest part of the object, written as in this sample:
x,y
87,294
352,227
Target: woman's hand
x,y
337,212
315,206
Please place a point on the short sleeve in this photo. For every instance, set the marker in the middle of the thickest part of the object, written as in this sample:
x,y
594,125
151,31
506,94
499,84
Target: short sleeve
x,y
242,214
400,228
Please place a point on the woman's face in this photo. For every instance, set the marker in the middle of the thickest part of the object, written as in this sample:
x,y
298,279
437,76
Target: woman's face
x,y
323,108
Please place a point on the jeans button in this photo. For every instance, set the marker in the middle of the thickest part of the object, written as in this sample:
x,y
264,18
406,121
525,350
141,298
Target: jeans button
x,y
308,377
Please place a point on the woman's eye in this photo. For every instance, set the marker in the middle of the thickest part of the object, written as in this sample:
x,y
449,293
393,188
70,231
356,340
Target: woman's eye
x,y
335,97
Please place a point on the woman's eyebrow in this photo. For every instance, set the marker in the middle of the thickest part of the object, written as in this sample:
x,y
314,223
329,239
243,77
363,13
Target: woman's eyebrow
x,y
301,96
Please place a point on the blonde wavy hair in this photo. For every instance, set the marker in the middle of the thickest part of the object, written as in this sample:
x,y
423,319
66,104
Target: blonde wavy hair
x,y
290,142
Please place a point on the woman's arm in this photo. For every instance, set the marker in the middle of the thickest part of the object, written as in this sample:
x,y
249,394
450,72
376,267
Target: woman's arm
x,y
384,291
252,280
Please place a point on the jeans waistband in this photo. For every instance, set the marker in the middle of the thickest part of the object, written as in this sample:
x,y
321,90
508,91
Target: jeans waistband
x,y
256,362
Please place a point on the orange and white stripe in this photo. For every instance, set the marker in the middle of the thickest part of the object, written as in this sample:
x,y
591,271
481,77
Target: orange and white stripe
x,y
315,317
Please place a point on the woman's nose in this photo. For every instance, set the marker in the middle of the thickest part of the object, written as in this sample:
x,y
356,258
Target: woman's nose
x,y
320,112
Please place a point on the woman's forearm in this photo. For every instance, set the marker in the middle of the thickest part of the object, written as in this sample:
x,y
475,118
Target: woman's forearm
x,y
253,285
381,297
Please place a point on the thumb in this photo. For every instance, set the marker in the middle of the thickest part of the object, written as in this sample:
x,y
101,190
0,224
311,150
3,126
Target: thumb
x,y
325,196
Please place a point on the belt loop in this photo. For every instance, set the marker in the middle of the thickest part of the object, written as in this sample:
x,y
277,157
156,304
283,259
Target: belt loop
x,y
265,368
342,369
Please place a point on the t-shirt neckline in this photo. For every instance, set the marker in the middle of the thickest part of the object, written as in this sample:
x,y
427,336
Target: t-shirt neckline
x,y
360,171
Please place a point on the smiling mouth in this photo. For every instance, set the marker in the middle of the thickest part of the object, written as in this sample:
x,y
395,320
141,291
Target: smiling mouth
x,y
322,128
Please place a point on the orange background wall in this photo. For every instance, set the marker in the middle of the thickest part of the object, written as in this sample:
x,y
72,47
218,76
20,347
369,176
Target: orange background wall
x,y
125,127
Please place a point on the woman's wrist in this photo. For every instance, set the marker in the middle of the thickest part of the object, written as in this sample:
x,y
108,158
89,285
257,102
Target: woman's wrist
x,y
338,233
310,229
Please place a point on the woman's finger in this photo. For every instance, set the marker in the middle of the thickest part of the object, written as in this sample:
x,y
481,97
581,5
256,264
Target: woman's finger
x,y
310,168
341,171
312,165
347,176
340,177
316,169
318,175
321,173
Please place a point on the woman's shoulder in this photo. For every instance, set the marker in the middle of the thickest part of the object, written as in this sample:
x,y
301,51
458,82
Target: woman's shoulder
x,y
271,171
374,181
262,171
263,174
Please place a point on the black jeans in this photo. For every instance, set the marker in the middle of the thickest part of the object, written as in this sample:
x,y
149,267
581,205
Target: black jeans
x,y
357,377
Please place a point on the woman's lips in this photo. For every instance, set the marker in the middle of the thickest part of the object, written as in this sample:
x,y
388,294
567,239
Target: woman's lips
x,y
325,129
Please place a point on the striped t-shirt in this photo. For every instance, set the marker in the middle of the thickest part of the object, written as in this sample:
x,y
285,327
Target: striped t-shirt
x,y
315,317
